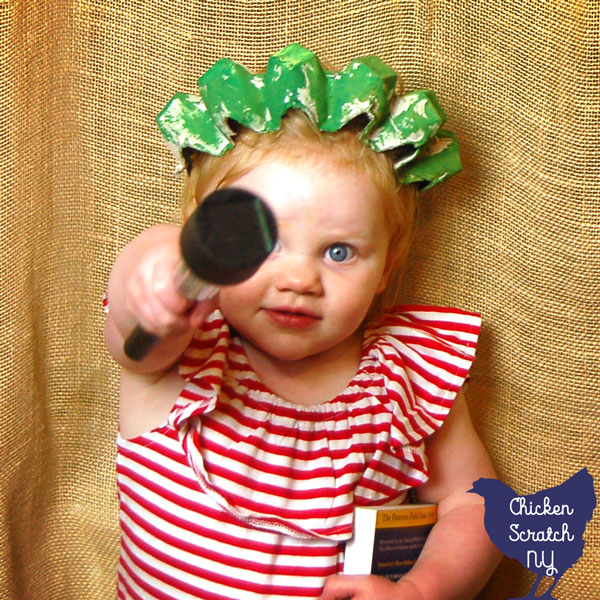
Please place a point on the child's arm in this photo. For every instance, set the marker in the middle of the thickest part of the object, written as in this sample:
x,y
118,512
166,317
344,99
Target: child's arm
x,y
458,557
141,290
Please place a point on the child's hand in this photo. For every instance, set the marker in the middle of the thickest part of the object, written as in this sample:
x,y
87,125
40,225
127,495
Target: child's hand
x,y
368,587
151,294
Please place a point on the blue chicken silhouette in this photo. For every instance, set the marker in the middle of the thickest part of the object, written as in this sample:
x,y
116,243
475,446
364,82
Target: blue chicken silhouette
x,y
543,531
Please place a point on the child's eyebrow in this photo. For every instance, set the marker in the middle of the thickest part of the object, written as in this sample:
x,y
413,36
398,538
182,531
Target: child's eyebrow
x,y
352,233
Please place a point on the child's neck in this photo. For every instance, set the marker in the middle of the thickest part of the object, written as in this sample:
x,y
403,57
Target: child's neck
x,y
311,380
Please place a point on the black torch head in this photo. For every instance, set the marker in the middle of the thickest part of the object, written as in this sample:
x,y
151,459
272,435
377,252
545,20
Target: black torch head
x,y
228,236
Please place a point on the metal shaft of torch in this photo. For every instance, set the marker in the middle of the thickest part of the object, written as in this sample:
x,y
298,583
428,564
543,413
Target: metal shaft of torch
x,y
224,242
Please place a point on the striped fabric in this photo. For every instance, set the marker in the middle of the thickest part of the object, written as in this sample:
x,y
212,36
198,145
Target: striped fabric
x,y
243,495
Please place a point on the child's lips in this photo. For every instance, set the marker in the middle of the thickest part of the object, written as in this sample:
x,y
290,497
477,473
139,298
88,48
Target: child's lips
x,y
292,318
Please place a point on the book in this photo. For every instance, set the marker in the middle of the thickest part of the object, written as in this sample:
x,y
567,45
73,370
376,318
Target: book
x,y
387,540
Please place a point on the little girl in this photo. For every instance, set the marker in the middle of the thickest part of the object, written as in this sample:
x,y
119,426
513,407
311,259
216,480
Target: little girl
x,y
262,417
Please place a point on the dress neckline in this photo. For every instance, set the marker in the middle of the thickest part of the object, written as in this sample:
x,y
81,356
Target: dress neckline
x,y
259,391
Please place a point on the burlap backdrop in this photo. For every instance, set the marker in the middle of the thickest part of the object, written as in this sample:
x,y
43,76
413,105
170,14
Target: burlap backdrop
x,y
84,169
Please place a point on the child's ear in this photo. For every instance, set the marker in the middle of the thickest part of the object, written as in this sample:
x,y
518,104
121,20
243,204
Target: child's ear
x,y
383,281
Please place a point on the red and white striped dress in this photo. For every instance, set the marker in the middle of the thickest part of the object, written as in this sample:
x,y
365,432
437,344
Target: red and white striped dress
x,y
243,495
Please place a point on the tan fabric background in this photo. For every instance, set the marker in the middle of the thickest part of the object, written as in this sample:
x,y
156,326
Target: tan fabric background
x,y
516,236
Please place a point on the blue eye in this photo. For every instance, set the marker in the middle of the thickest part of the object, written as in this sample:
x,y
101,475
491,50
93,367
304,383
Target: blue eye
x,y
339,252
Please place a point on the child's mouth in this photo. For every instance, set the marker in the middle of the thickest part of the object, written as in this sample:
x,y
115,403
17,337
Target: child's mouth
x,y
291,318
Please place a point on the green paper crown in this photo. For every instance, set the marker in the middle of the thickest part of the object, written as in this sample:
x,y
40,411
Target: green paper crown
x,y
408,126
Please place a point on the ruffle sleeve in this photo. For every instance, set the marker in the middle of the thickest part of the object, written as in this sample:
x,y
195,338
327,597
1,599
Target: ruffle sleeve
x,y
424,355
421,358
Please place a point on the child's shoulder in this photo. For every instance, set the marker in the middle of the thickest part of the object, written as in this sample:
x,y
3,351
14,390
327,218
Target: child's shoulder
x,y
422,314
412,322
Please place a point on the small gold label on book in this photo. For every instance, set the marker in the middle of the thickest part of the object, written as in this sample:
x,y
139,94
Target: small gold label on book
x,y
407,515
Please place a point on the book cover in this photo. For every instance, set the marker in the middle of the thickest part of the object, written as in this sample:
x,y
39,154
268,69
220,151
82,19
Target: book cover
x,y
387,540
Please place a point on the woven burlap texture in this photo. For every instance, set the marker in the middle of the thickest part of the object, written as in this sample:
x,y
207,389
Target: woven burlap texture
x,y
515,236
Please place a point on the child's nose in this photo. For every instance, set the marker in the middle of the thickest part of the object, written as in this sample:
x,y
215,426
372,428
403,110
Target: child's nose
x,y
299,275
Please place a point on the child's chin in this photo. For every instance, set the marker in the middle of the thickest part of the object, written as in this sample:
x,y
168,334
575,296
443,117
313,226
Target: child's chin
x,y
291,354
288,352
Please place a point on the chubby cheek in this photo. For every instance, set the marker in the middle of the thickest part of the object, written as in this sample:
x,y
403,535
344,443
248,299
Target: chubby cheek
x,y
231,298
238,301
350,304
355,313
366,293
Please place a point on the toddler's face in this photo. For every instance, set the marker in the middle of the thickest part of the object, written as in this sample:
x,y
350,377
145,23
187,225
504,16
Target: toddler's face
x,y
315,289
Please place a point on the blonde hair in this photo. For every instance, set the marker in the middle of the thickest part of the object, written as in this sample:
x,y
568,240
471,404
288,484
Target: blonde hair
x,y
299,139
